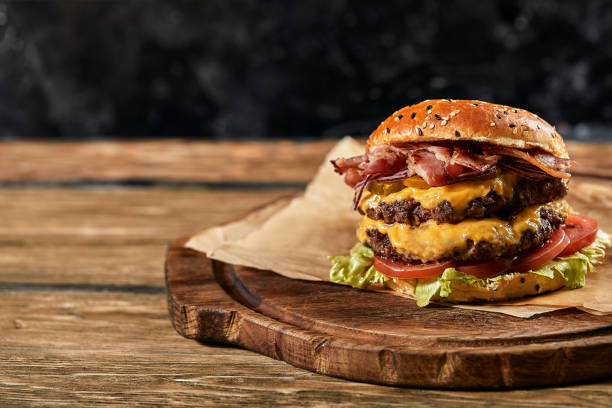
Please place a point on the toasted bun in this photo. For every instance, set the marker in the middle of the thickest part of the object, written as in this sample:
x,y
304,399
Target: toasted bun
x,y
447,119
511,286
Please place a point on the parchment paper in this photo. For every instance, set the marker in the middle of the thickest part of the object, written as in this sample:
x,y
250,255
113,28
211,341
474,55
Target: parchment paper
x,y
293,238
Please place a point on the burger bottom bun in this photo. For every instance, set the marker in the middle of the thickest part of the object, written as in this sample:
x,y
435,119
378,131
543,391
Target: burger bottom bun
x,y
510,286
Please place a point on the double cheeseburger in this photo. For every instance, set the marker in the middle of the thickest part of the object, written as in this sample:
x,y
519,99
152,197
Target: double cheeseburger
x,y
463,201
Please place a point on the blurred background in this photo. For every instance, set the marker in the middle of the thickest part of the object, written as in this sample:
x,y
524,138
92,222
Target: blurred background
x,y
240,69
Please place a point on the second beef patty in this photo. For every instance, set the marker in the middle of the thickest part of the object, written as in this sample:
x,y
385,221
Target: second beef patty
x,y
526,193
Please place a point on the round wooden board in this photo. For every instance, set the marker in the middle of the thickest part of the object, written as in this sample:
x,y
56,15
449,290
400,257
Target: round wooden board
x,y
377,337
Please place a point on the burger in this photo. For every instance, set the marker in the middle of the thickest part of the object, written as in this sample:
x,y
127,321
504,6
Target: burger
x,y
463,201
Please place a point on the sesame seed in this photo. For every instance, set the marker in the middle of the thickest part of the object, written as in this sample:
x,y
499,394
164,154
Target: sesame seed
x,y
505,112
413,115
396,119
428,107
475,104
449,100
419,131
437,116
388,130
492,123
498,116
457,133
516,111
429,111
444,122
515,131
424,124
400,116
427,117
512,125
444,117
433,125
452,114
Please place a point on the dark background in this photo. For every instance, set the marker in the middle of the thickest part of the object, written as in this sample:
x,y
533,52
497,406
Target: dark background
x,y
289,69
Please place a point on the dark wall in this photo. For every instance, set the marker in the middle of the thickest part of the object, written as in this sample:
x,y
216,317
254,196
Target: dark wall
x,y
292,69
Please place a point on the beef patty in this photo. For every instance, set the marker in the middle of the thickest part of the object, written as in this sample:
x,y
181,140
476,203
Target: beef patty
x,y
526,193
475,251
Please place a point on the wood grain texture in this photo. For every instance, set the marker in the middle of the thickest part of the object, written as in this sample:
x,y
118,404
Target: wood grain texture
x,y
343,332
119,349
76,328
162,160
118,215
112,236
178,160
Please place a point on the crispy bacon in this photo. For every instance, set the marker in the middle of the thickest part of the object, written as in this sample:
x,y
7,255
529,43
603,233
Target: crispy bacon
x,y
428,167
524,169
443,154
474,161
341,165
551,165
439,165
352,177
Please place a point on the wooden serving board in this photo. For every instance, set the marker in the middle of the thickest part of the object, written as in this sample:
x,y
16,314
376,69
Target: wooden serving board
x,y
377,337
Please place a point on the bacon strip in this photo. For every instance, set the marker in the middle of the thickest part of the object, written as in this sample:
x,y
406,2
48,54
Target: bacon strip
x,y
427,166
474,161
440,165
551,165
524,169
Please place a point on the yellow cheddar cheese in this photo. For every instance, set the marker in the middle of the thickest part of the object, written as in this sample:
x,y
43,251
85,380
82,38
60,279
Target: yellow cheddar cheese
x,y
459,195
430,241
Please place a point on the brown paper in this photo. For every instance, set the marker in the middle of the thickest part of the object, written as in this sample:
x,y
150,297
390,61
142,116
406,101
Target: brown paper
x,y
293,238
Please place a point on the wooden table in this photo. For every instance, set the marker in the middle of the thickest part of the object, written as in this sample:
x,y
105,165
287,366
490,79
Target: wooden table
x,y
83,315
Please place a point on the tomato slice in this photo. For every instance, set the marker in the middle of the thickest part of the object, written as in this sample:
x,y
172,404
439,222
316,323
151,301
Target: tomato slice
x,y
534,258
408,271
581,231
488,269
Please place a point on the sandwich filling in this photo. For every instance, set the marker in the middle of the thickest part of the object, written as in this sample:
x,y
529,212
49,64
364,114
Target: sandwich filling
x,y
357,270
466,240
413,202
474,227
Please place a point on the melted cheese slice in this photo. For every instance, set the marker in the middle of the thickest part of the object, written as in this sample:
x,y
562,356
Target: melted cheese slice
x,y
430,241
459,195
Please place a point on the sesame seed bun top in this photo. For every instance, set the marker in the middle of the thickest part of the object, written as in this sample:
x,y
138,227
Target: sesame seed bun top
x,y
447,119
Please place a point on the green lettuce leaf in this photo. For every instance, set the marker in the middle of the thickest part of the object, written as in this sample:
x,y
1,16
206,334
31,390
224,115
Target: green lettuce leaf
x,y
426,288
574,268
357,270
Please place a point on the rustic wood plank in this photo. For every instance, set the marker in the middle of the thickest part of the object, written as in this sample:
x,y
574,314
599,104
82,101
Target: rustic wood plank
x,y
112,236
127,264
78,349
162,160
592,159
118,215
180,160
